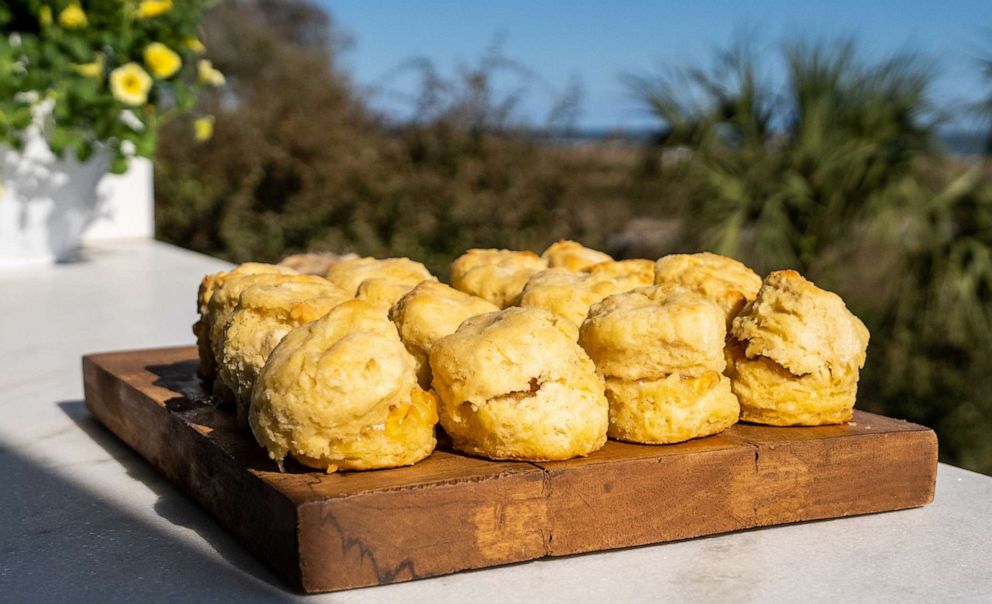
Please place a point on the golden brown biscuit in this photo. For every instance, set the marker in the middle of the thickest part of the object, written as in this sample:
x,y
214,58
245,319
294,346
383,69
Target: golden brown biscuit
x,y
222,305
672,409
314,263
429,312
572,255
569,294
723,280
770,394
383,292
651,332
349,274
513,385
265,313
801,327
340,392
207,368
495,275
799,355
637,272
662,353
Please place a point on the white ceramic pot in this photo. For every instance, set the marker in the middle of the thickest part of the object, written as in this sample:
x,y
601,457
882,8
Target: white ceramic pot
x,y
48,205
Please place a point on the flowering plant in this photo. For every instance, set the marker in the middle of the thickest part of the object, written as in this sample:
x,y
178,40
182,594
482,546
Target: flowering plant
x,y
107,73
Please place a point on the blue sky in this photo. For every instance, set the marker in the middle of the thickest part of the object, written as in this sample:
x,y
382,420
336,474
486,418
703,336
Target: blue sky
x,y
595,42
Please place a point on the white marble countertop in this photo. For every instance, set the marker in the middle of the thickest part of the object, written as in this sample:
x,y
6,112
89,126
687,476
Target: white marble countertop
x,y
85,519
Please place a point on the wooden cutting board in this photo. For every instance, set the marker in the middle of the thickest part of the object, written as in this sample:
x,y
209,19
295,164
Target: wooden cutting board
x,y
452,512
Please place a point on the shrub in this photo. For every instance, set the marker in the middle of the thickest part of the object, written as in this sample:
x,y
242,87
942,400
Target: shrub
x,y
298,161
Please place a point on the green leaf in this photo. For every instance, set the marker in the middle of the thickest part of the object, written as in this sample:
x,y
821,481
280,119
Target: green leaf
x,y
118,164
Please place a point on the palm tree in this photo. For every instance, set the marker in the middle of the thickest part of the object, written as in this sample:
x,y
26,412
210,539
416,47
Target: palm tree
x,y
783,173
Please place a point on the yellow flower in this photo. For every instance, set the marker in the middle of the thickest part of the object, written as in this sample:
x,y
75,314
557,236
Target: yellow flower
x,y
152,8
195,45
161,60
204,128
45,16
130,84
91,70
72,17
209,75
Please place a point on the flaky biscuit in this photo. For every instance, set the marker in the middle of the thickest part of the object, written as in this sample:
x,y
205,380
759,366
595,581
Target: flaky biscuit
x,y
513,385
651,332
225,300
349,274
495,275
314,263
770,394
673,409
796,354
207,368
383,292
265,313
569,294
572,255
429,312
636,272
723,280
801,327
340,392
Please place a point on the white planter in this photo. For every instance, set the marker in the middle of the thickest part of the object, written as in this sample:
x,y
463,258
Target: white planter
x,y
47,203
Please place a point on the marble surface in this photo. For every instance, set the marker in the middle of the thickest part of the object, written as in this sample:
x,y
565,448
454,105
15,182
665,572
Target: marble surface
x,y
85,519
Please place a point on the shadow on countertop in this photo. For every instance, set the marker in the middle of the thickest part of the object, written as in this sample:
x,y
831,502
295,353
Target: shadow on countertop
x,y
61,542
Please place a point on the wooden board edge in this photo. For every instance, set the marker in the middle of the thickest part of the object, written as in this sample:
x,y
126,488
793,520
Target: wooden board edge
x,y
451,527
592,507
805,480
753,487
861,415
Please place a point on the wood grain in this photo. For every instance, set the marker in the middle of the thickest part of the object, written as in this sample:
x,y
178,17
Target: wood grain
x,y
452,512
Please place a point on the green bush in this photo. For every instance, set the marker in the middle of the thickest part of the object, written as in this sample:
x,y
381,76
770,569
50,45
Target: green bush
x,y
299,162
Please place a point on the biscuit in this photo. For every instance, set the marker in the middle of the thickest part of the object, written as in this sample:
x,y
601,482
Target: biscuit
x,y
207,368
349,274
661,351
672,409
314,263
651,332
340,392
637,272
723,280
569,294
801,327
265,313
771,395
383,292
798,356
495,275
572,255
224,302
429,312
514,385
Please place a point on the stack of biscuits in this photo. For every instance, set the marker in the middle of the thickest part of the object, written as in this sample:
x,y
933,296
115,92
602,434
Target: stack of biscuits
x,y
661,354
523,357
